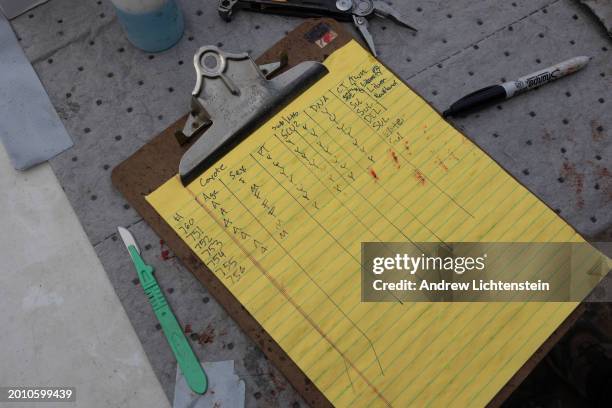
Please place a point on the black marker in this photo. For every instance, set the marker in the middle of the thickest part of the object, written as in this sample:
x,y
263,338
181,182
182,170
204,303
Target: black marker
x,y
496,93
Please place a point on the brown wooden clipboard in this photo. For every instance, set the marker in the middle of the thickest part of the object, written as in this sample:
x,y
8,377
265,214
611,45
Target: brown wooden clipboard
x,y
158,161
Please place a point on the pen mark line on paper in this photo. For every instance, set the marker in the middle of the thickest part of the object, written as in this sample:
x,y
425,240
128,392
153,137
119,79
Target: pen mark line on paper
x,y
346,369
282,290
359,65
384,140
302,268
348,184
390,195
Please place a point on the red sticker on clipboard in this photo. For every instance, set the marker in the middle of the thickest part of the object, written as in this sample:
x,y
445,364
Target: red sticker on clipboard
x,y
322,35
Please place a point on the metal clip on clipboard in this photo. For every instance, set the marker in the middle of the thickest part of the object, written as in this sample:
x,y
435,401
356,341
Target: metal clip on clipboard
x,y
232,97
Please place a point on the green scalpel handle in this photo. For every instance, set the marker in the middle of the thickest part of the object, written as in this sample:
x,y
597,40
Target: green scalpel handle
x,y
186,359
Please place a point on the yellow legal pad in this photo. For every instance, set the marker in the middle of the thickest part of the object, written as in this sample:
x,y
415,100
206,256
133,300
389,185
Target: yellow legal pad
x,y
360,157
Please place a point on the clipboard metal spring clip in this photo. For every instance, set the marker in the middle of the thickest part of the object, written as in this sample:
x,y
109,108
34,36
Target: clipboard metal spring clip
x,y
232,97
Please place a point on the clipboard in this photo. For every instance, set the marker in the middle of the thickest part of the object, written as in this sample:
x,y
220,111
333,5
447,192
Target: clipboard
x,y
158,160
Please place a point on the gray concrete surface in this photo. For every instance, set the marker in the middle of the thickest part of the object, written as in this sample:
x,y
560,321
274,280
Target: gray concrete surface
x,y
113,98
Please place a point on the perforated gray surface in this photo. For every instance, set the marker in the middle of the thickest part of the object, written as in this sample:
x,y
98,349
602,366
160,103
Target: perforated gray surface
x,y
113,98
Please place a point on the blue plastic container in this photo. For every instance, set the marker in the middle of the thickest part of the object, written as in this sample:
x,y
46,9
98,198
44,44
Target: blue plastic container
x,y
151,25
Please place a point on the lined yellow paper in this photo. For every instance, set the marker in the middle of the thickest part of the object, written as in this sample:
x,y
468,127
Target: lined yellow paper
x,y
360,157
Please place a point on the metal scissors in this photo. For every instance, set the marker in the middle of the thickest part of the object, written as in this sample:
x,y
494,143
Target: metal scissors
x,y
359,11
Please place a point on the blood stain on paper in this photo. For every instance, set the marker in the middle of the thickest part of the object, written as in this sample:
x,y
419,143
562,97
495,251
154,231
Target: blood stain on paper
x,y
420,178
373,174
395,158
407,146
441,163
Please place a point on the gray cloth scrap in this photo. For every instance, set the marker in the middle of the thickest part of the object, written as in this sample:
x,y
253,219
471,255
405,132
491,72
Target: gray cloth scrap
x,y
30,129
225,388
13,8
603,11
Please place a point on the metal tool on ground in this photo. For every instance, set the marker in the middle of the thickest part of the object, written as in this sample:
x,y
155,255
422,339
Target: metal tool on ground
x,y
496,93
231,98
186,359
358,11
